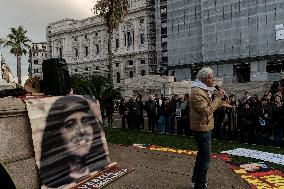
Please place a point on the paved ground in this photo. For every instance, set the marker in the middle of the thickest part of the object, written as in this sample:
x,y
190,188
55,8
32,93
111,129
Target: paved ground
x,y
159,170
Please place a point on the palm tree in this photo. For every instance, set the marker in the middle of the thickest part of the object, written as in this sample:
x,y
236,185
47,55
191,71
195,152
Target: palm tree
x,y
17,41
95,85
113,13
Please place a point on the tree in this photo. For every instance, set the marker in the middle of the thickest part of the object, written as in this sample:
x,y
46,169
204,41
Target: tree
x,y
113,13
95,85
17,41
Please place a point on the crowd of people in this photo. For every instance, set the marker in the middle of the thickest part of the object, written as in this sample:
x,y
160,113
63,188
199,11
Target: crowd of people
x,y
164,114
251,119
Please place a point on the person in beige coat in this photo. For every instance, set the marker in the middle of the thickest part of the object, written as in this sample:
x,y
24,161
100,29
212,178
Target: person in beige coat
x,y
202,122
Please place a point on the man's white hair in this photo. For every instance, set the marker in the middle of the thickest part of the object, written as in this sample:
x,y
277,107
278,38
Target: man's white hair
x,y
204,73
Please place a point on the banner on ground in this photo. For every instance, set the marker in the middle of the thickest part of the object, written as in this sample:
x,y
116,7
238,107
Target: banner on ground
x,y
68,139
259,175
103,178
264,156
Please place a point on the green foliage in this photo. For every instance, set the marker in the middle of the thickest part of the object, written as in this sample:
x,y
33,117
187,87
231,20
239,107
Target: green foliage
x,y
18,40
129,137
113,12
18,43
95,85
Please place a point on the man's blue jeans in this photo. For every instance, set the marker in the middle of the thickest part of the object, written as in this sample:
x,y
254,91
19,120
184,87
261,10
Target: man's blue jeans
x,y
161,124
203,140
170,127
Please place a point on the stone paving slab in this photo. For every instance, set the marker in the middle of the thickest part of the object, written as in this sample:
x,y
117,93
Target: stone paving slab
x,y
155,170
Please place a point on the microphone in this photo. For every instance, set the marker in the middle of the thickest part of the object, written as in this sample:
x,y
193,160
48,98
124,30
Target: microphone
x,y
225,94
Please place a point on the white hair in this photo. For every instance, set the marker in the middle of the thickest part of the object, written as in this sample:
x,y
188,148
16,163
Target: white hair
x,y
204,73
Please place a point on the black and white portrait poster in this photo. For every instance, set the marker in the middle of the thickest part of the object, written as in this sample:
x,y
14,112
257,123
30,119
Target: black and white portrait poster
x,y
68,139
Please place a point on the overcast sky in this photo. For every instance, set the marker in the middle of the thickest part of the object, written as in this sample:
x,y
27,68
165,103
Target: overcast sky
x,y
34,16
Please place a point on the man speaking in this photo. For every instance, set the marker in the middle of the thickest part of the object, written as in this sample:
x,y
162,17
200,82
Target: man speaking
x,y
202,122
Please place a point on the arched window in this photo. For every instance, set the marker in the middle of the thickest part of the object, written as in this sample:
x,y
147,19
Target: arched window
x,y
131,74
117,77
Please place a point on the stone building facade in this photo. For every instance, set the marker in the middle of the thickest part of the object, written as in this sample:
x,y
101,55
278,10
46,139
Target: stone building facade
x,y
83,43
38,53
242,40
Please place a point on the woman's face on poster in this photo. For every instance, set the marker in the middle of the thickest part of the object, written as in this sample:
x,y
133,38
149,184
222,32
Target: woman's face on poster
x,y
77,133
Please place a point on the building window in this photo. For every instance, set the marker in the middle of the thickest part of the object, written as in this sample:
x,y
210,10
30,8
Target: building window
x,y
133,38
60,53
141,21
86,37
97,68
164,31
142,38
117,43
142,61
129,39
86,69
35,61
96,34
75,38
124,39
116,64
143,72
131,74
86,51
76,70
164,45
76,52
97,49
130,62
117,77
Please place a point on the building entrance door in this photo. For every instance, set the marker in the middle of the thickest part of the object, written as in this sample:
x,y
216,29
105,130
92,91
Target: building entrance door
x,y
242,72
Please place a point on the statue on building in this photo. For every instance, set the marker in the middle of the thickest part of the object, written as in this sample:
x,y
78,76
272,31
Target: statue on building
x,y
6,72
